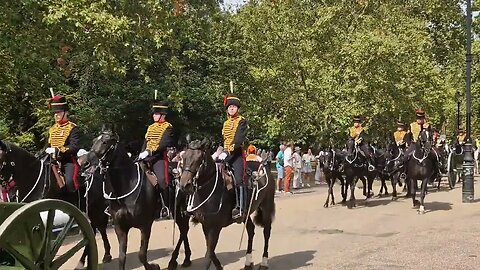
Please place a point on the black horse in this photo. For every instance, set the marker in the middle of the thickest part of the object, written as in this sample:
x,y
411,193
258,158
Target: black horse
x,y
355,166
394,155
421,166
330,162
132,199
212,202
178,203
34,181
96,206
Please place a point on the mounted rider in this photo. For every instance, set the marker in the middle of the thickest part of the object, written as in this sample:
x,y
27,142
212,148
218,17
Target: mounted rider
x,y
461,137
158,139
63,145
399,135
234,133
358,134
412,136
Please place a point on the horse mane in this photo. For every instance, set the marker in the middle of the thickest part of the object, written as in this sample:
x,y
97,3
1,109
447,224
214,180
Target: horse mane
x,y
11,147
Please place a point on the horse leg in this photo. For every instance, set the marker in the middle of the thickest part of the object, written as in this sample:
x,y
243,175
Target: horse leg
x,y
370,186
267,229
183,227
343,189
413,191
212,240
142,254
251,234
421,210
107,257
81,263
351,203
122,236
393,180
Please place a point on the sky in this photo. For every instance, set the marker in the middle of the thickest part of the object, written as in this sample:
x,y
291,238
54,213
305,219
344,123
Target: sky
x,y
233,3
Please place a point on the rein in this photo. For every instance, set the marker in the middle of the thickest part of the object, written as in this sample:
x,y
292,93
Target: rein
x,y
109,196
190,207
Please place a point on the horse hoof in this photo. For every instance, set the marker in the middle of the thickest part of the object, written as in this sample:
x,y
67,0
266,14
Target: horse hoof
x,y
248,267
107,258
263,267
154,266
186,263
332,203
394,198
325,205
172,265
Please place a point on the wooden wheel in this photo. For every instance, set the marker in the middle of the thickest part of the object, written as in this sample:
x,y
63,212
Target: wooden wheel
x,y
31,241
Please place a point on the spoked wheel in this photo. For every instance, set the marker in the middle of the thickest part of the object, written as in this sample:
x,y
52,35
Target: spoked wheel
x,y
31,241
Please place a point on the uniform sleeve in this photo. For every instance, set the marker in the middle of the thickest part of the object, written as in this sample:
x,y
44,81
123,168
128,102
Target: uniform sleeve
x,y
408,138
166,141
241,134
73,143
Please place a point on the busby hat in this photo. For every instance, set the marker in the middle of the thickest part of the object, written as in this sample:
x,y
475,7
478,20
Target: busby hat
x,y
160,107
420,114
231,99
357,119
58,103
400,124
461,130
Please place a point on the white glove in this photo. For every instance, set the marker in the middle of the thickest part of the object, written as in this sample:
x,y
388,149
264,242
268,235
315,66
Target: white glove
x,y
50,150
143,155
222,156
82,152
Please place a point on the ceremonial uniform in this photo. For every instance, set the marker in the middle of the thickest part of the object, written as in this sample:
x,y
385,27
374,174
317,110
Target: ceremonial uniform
x,y
64,137
461,137
234,133
414,132
359,135
399,135
158,138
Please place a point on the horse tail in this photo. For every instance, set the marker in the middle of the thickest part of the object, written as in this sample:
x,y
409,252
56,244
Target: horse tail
x,y
262,218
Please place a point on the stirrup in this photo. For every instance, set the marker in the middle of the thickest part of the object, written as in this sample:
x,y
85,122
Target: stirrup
x,y
371,168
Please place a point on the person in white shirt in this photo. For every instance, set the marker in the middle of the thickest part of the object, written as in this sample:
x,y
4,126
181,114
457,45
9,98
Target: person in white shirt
x,y
288,166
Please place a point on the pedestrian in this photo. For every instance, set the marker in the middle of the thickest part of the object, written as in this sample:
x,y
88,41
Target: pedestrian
x,y
280,168
297,165
307,169
288,166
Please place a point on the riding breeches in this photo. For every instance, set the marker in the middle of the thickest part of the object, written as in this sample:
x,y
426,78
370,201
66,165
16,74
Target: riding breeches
x,y
160,168
70,173
237,162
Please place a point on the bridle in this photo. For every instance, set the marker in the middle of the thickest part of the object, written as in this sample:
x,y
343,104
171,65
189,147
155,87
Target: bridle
x,y
196,173
103,162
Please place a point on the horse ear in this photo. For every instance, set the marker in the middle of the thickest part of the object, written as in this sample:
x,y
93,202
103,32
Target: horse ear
x,y
205,143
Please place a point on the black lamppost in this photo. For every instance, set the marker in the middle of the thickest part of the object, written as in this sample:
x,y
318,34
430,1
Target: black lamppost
x,y
467,183
458,97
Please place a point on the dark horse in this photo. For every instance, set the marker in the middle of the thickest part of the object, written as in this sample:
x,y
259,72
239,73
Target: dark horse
x,y
131,197
394,155
34,181
96,206
356,168
330,162
421,166
212,202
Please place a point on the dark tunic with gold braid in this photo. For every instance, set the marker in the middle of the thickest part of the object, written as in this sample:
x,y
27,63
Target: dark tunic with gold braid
x,y
234,134
158,138
66,137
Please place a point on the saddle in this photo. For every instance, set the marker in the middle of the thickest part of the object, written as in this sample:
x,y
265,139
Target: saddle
x,y
227,175
57,172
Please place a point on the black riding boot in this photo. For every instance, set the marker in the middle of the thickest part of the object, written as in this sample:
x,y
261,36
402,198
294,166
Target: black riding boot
x,y
161,211
239,211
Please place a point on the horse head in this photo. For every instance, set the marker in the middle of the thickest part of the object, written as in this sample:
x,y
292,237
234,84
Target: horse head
x,y
102,146
351,148
425,140
195,161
